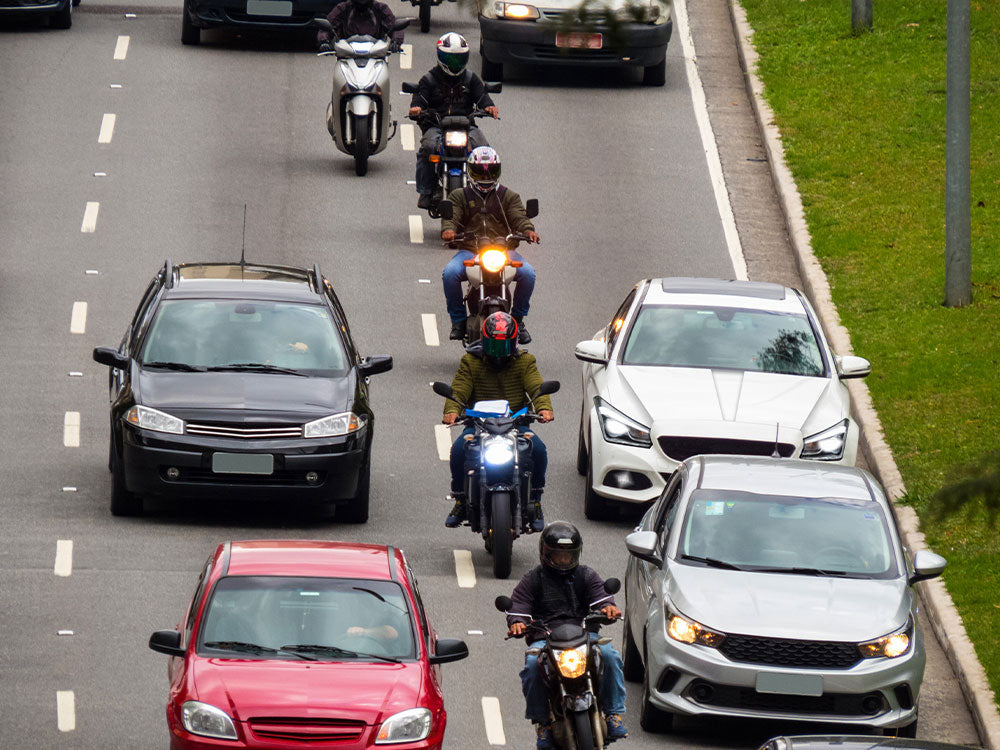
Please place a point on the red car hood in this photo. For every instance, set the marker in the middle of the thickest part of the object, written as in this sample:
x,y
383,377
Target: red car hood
x,y
360,692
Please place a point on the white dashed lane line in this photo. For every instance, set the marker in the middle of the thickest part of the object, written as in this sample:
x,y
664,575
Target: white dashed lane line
x,y
465,571
493,721
78,318
64,558
407,137
65,710
416,228
89,224
406,57
107,128
442,439
429,321
121,47
71,429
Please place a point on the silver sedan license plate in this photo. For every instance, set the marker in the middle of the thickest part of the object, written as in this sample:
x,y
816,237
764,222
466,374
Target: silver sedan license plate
x,y
242,463
269,8
789,684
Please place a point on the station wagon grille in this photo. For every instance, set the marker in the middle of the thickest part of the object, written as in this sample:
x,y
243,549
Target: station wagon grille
x,y
782,652
232,431
307,730
681,448
557,14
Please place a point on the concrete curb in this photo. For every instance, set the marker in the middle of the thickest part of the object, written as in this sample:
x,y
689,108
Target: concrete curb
x,y
940,609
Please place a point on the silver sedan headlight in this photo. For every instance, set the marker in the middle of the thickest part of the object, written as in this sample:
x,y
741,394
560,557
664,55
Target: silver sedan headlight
x,y
154,419
207,721
619,428
889,646
827,445
411,725
334,425
685,630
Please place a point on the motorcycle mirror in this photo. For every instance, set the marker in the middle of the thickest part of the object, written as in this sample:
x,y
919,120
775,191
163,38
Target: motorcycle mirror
x,y
503,603
401,23
446,209
322,23
547,387
492,87
442,389
409,88
612,585
531,208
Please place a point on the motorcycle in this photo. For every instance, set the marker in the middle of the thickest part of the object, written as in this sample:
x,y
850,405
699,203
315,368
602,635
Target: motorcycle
x,y
424,11
570,663
359,115
497,472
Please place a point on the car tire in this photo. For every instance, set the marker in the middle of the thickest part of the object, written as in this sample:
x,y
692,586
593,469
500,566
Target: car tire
x,y
62,19
425,16
582,457
356,510
491,71
651,718
632,668
595,507
190,34
655,75
76,3
123,502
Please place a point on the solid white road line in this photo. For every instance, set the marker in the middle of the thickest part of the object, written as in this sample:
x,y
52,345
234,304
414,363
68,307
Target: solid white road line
x,y
65,710
430,324
90,217
78,318
406,56
442,439
494,721
407,136
121,47
416,228
107,128
64,557
465,572
71,429
708,143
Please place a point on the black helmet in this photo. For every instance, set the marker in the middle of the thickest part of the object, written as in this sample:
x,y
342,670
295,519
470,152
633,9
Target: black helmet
x,y
560,537
499,337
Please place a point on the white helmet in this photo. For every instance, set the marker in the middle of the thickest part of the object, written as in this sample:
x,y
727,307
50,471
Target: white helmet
x,y
453,53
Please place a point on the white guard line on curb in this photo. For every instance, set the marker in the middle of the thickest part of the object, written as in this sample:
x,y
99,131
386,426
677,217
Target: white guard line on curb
x,y
406,56
89,224
465,571
442,439
407,137
71,429
494,721
121,47
708,143
65,710
416,228
78,318
107,128
64,558
430,323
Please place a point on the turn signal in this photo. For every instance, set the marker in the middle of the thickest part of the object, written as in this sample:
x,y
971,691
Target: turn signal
x,y
434,158
493,260
469,263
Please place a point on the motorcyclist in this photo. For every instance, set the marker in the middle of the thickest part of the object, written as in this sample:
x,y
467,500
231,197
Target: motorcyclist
x,y
484,205
359,17
493,368
449,88
560,590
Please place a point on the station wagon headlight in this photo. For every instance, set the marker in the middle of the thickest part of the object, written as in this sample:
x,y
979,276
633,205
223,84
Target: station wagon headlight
x,y
334,425
890,646
154,419
572,662
688,631
515,11
411,725
618,428
207,721
827,445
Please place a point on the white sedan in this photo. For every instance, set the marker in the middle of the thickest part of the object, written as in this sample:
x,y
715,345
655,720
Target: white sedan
x,y
702,366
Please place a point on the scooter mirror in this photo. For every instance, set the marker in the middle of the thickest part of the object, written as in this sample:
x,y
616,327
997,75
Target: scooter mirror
x,y
612,585
322,23
442,389
492,87
446,209
531,208
409,88
503,603
401,23
547,387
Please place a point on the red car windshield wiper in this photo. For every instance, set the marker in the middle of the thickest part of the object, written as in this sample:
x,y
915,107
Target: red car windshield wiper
x,y
253,648
316,648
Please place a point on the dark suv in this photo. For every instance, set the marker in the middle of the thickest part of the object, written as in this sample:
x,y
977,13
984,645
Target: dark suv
x,y
266,15
235,381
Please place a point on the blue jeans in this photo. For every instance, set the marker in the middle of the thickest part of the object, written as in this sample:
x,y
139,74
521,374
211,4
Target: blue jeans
x,y
536,698
454,274
539,460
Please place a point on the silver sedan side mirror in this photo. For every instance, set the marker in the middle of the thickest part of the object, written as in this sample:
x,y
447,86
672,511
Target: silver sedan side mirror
x,y
926,565
642,544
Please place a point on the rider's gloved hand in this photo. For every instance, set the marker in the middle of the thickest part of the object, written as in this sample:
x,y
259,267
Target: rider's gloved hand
x,y
449,418
448,235
546,415
395,46
325,47
414,112
493,112
517,629
532,236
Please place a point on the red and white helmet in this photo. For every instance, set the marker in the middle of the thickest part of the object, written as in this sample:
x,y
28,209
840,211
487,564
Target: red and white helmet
x,y
453,53
483,168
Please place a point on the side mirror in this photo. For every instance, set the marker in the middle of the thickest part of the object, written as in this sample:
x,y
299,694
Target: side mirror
x,y
401,23
926,565
531,208
493,87
322,23
853,367
591,351
105,355
448,649
166,642
547,387
612,585
642,544
374,365
446,209
409,88
503,603
442,389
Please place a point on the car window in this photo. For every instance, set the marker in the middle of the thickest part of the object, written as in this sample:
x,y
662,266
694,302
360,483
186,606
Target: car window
x,y
724,338
219,333
788,533
143,309
667,513
275,612
344,326
618,321
196,599
421,613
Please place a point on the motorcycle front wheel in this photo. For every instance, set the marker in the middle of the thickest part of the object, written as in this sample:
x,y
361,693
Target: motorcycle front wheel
x,y
503,535
583,731
362,144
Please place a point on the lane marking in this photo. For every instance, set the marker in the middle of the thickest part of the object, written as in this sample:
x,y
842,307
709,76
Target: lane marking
x,y
78,318
405,56
100,174
90,217
64,558
65,710
71,429
708,144
465,572
92,272
121,47
442,439
107,128
423,281
116,85
75,374
430,323
407,136
493,721
69,489
416,228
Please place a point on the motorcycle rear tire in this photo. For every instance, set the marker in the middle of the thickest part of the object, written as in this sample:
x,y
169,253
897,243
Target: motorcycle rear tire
x,y
583,732
425,16
362,144
503,534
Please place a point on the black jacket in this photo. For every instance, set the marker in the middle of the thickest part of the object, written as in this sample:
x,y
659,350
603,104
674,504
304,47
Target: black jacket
x,y
449,95
556,598
347,21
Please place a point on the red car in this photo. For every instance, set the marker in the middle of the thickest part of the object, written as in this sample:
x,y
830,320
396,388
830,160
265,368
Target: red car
x,y
311,644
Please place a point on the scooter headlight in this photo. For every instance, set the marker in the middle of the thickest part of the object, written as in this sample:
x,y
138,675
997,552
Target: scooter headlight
x,y
572,662
493,260
455,138
498,451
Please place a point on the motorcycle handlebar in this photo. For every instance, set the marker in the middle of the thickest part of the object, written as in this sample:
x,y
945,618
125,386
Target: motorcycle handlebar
x,y
511,241
592,616
431,115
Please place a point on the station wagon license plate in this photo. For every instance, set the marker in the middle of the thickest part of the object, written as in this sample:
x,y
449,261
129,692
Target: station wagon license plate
x,y
269,8
789,684
577,40
242,463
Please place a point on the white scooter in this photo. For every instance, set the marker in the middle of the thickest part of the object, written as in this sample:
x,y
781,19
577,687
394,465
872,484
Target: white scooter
x,y
359,116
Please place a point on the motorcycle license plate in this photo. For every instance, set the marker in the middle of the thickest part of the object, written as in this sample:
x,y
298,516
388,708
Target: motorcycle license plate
x,y
242,463
269,8
577,40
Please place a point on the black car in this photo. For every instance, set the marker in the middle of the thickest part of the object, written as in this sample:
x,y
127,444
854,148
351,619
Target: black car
x,y
264,15
236,381
59,12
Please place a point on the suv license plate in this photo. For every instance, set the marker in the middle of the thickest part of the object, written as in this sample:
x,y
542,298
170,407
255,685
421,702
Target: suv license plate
x,y
576,40
242,463
269,8
789,684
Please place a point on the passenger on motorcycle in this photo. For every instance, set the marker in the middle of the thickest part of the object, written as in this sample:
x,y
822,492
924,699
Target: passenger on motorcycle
x,y
359,17
446,89
493,368
561,590
484,202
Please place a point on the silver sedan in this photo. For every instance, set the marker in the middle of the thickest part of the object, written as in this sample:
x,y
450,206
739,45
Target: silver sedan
x,y
774,588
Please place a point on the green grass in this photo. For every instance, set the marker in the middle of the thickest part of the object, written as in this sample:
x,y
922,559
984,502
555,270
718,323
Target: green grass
x,y
863,125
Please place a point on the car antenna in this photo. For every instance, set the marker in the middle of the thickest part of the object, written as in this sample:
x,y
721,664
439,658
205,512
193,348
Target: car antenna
x,y
774,453
243,246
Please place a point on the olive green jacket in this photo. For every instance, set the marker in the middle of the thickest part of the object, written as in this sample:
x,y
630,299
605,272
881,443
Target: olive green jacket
x,y
500,204
477,381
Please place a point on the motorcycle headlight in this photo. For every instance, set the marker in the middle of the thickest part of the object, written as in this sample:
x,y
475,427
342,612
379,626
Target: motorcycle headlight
x,y
411,725
153,419
572,662
207,721
515,11
334,425
455,138
688,631
827,445
618,428
493,260
498,451
890,646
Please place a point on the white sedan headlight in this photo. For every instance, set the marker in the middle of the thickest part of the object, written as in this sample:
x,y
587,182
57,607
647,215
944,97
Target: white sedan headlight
x,y
498,451
411,725
208,721
619,428
334,425
827,445
154,419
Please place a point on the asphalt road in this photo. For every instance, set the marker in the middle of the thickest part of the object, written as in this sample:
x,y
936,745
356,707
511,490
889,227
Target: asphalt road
x,y
198,133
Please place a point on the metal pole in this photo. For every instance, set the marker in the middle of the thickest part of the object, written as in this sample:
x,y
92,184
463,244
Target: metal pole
x,y
861,16
957,204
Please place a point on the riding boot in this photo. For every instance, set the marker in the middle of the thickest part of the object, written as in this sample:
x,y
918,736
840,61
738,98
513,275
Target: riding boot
x,y
458,511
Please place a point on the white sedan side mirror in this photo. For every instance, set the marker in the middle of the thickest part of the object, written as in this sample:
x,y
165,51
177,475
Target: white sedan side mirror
x,y
853,367
591,351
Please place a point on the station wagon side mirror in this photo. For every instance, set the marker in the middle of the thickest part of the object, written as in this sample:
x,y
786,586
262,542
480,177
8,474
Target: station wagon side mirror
x,y
926,565
493,87
322,23
547,388
503,603
167,642
105,355
853,367
591,351
642,544
446,209
448,649
531,208
409,88
374,365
